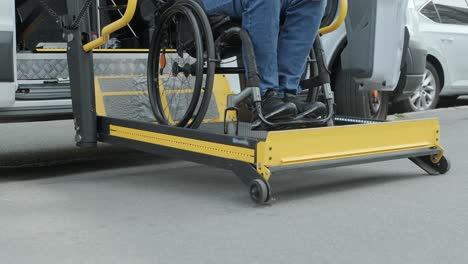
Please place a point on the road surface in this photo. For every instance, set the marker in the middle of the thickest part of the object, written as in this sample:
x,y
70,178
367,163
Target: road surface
x,y
59,204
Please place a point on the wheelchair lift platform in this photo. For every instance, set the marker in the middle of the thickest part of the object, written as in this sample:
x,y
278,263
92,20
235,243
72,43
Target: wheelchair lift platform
x,y
254,156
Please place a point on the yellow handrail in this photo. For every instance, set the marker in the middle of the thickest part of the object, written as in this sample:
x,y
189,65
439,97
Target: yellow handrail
x,y
113,27
339,21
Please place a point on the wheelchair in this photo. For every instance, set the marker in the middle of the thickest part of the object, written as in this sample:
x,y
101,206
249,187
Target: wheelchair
x,y
188,48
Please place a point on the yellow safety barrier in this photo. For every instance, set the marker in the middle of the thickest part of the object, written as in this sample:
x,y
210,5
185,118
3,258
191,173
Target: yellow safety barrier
x,y
339,21
113,27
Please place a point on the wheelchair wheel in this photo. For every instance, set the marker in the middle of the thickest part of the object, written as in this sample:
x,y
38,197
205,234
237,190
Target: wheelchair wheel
x,y
179,85
209,59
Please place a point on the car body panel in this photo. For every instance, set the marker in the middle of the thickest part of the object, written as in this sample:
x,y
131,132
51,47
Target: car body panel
x,y
448,43
415,59
455,46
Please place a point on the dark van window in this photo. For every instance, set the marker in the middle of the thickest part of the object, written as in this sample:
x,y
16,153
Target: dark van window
x,y
453,14
430,12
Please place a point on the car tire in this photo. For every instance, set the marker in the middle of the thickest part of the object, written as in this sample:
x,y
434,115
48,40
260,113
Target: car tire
x,y
351,101
433,88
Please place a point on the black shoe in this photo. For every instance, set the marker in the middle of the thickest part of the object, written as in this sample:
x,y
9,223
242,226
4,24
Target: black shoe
x,y
305,109
274,108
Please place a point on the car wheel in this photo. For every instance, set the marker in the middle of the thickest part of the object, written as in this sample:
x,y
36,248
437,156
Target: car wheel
x,y
351,101
426,96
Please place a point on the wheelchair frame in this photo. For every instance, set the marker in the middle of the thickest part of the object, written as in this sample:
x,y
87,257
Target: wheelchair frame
x,y
215,45
253,159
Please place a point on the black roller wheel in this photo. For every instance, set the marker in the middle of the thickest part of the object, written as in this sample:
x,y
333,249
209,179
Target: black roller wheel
x,y
444,165
259,191
179,85
427,164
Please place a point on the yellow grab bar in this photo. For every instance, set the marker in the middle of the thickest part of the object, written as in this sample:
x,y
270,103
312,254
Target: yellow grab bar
x,y
113,27
339,21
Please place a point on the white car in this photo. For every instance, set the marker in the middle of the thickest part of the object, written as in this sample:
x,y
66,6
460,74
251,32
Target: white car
x,y
444,29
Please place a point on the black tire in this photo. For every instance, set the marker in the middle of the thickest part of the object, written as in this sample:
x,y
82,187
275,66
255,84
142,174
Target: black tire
x,y
210,59
259,191
350,101
444,165
407,105
191,110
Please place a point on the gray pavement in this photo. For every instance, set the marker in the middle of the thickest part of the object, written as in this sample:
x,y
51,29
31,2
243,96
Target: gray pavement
x,y
63,205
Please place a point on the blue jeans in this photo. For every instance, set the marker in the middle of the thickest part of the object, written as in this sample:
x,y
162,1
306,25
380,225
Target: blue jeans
x,y
281,50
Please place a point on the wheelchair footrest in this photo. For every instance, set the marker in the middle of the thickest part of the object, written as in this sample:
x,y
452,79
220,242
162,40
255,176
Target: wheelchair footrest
x,y
288,124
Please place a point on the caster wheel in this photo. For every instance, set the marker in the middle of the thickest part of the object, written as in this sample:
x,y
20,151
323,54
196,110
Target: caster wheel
x,y
425,163
260,191
443,166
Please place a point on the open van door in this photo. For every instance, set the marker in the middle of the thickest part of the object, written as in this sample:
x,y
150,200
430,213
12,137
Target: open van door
x,y
7,54
376,41
34,78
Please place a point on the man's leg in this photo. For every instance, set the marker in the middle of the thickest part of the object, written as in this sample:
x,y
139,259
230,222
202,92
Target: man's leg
x,y
220,6
301,24
260,18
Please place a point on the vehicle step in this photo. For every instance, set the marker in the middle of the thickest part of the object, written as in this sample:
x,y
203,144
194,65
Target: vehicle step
x,y
43,91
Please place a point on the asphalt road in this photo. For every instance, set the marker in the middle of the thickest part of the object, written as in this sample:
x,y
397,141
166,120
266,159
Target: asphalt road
x,y
59,204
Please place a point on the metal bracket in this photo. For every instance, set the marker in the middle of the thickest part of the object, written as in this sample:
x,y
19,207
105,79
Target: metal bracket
x,y
226,124
264,172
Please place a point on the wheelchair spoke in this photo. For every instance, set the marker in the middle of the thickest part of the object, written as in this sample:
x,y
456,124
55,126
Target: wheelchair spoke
x,y
179,85
178,91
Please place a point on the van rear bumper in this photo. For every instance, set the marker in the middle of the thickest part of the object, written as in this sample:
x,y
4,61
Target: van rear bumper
x,y
28,111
